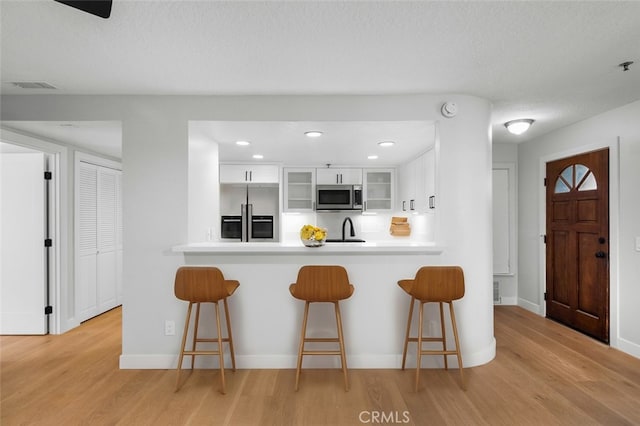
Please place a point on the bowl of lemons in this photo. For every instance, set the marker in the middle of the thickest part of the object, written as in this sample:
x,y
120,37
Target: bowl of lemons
x,y
313,236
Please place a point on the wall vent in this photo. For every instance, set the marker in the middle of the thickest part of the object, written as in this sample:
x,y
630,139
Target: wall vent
x,y
496,293
33,85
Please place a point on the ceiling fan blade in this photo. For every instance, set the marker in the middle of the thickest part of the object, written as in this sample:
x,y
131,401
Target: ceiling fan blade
x,y
101,8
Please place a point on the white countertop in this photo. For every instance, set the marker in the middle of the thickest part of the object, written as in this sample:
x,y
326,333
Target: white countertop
x,y
382,247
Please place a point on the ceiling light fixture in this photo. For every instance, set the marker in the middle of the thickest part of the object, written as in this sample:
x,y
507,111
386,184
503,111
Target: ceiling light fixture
x,y
372,157
243,143
258,156
313,134
518,127
386,143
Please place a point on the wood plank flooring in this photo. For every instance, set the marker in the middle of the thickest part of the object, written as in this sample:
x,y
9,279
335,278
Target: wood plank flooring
x,y
543,374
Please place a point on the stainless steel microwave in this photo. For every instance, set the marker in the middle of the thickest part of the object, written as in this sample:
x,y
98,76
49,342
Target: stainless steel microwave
x,y
339,197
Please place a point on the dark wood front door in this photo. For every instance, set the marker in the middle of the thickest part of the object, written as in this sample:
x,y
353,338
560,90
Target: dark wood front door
x,y
577,289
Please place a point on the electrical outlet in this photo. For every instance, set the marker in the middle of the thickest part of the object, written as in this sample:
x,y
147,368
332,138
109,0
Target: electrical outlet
x,y
169,328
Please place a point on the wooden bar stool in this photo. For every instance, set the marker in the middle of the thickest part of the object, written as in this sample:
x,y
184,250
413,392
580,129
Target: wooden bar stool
x,y
441,284
204,284
322,284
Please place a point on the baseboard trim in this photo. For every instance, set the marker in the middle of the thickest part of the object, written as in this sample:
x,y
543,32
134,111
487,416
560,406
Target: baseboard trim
x,y
168,361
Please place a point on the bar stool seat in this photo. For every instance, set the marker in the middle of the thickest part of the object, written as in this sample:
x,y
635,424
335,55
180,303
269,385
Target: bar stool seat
x,y
319,283
204,284
440,284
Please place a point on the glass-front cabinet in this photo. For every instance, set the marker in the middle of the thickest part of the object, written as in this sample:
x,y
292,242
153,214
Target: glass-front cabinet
x,y
299,189
378,189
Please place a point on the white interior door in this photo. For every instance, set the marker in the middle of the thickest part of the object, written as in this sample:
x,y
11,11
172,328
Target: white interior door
x,y
22,235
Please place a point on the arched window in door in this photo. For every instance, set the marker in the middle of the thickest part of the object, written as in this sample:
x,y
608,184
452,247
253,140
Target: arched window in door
x,y
577,177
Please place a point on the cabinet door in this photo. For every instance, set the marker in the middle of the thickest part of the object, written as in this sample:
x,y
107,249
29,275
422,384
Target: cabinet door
x,y
420,196
299,189
233,173
351,176
378,189
249,173
339,176
264,173
407,185
430,179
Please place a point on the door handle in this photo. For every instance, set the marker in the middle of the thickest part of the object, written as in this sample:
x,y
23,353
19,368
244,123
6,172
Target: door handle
x,y
601,254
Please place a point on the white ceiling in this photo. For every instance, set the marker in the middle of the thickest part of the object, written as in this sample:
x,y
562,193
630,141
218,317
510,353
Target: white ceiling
x,y
555,62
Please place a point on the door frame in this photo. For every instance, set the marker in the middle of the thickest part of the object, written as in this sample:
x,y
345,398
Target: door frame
x,y
58,226
614,218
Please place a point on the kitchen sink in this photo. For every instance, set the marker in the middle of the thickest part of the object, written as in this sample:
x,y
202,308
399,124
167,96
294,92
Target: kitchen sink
x,y
348,240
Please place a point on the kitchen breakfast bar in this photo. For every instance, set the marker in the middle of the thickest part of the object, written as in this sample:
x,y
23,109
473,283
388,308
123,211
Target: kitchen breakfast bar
x,y
266,319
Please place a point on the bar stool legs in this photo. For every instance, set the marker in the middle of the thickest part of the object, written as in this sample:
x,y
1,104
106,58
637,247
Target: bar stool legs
x,y
339,340
420,339
219,340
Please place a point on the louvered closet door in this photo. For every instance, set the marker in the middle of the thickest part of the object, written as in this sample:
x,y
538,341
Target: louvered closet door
x,y
107,244
86,278
119,232
99,239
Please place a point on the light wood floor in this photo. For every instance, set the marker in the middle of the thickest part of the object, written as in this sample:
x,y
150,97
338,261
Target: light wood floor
x,y
543,374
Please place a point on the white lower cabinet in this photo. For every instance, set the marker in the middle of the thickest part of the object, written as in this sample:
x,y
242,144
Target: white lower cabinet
x,y
99,244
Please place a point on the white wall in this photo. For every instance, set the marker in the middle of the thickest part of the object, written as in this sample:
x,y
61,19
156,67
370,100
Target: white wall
x,y
603,130
156,176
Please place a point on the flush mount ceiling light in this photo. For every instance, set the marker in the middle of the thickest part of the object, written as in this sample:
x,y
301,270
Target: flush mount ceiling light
x,y
372,157
243,143
518,127
386,143
313,134
258,156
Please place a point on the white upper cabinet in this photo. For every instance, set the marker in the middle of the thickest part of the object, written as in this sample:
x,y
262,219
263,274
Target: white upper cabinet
x,y
378,189
299,189
330,176
249,173
416,183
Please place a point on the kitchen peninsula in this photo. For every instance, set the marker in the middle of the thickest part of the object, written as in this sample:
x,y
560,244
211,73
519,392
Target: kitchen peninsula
x,y
266,318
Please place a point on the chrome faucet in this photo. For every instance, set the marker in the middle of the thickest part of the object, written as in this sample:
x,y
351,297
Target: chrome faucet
x,y
344,223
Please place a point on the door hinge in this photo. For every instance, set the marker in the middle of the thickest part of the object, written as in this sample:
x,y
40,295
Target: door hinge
x,y
48,175
545,182
48,242
544,239
545,295
48,310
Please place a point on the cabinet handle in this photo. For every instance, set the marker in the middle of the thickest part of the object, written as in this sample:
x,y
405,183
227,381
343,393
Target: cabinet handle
x,y
404,206
411,205
245,175
365,207
432,202
250,176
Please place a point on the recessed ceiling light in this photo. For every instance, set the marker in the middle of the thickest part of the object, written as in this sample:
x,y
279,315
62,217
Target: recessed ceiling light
x,y
518,127
258,156
386,143
313,134
243,143
372,157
